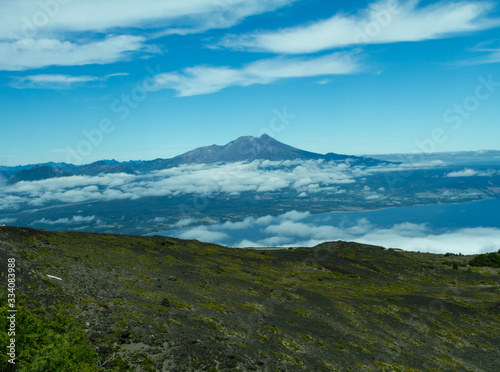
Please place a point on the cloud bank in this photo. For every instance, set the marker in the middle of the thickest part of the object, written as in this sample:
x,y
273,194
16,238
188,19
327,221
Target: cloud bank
x,y
305,178
301,229
472,173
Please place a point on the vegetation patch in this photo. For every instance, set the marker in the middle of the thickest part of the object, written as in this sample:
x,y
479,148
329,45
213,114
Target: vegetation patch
x,y
487,259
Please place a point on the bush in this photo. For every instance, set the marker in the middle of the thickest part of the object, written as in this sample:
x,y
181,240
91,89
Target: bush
x,y
44,341
488,259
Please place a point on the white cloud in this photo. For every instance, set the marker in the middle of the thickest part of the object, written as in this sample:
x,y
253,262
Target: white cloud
x,y
490,51
203,234
246,223
35,34
374,197
208,79
66,221
463,173
26,16
7,220
294,215
419,238
384,21
11,201
467,172
493,56
286,231
183,223
205,180
57,81
26,54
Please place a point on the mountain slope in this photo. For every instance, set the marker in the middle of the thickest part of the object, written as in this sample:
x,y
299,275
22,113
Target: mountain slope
x,y
164,304
37,173
101,167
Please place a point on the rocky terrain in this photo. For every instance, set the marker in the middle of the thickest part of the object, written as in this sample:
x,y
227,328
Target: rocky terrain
x,y
162,304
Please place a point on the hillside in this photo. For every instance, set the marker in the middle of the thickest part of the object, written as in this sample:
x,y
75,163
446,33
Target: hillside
x,y
163,304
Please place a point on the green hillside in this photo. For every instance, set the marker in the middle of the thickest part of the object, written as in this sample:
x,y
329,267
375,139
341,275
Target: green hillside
x,y
91,302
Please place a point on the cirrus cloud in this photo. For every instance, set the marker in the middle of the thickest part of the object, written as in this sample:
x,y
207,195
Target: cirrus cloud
x,y
37,34
97,16
57,81
204,79
385,21
32,53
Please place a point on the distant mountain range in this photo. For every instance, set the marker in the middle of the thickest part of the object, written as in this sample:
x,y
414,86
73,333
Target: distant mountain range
x,y
246,148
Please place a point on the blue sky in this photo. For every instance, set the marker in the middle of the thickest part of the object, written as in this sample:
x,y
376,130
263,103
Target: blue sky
x,y
87,80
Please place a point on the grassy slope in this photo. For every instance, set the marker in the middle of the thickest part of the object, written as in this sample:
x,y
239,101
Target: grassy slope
x,y
160,303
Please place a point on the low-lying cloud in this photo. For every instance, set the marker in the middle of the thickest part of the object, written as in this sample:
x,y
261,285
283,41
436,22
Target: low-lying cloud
x,y
6,221
306,178
301,229
472,173
67,221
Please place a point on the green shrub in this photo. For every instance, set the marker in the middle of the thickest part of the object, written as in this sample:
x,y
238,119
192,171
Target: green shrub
x,y
44,341
487,259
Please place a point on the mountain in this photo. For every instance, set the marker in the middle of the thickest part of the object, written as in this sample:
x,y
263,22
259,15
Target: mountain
x,y
37,173
135,303
102,167
248,148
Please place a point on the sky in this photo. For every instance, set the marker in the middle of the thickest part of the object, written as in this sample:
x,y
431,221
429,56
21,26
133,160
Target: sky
x,y
82,81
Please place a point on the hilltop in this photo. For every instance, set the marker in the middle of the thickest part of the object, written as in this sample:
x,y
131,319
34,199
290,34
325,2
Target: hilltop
x,y
164,304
